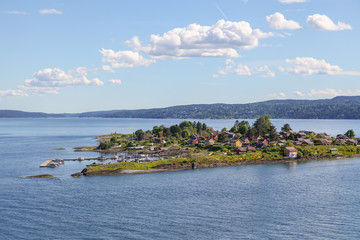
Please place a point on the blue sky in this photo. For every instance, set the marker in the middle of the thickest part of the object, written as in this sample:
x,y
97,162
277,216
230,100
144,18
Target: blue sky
x,y
76,56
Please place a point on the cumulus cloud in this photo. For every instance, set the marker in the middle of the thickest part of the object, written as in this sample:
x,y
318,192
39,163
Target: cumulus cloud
x,y
299,94
244,70
51,80
50,11
333,92
80,71
123,59
323,22
13,93
308,66
278,21
292,1
280,95
115,81
16,12
222,39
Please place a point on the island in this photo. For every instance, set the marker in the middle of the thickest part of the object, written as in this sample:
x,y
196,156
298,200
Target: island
x,y
192,145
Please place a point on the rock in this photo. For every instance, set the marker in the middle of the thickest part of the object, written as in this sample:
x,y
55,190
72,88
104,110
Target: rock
x,y
78,174
40,176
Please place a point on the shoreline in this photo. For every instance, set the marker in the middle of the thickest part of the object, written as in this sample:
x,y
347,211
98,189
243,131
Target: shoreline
x,y
196,165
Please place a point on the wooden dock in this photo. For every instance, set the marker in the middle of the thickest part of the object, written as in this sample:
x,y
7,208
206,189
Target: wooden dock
x,y
46,163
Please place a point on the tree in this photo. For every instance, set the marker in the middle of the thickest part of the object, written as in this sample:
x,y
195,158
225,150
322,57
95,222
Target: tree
x,y
286,128
156,130
234,129
113,139
291,137
273,134
350,133
224,130
198,127
185,124
185,133
140,135
262,125
222,137
175,130
243,127
204,127
167,132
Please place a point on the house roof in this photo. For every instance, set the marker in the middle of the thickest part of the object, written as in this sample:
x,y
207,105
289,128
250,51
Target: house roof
x,y
291,149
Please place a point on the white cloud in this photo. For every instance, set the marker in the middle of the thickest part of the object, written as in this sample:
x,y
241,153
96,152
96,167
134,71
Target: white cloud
x,y
13,93
292,1
333,92
244,70
280,95
323,22
278,21
308,66
298,93
115,81
16,12
51,80
50,11
222,39
123,59
266,69
80,71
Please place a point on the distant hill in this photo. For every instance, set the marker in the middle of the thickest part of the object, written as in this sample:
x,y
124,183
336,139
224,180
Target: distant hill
x,y
21,114
341,107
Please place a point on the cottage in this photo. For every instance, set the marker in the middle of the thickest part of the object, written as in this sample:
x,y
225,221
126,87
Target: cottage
x,y
290,152
341,136
333,150
245,140
300,135
323,135
340,141
193,141
209,142
323,141
307,142
351,141
236,143
240,150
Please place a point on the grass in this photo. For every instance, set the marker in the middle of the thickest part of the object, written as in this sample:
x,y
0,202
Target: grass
x,y
261,155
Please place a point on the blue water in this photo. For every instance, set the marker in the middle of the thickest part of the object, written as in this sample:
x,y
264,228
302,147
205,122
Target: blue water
x,y
313,200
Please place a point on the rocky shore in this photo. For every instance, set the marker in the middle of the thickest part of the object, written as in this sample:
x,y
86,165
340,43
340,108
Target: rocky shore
x,y
88,171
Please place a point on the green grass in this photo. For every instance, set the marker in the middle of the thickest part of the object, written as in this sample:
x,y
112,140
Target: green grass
x,y
265,154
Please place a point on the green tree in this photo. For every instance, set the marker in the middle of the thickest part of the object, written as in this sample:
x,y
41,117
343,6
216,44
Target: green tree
x,y
262,125
243,127
198,127
286,128
113,139
204,127
224,130
222,137
234,129
185,124
185,133
156,130
273,134
140,135
175,130
350,133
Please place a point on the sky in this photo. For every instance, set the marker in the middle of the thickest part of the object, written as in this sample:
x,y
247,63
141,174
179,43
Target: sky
x,y
75,56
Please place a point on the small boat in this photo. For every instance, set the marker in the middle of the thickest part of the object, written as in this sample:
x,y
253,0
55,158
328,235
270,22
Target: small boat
x,y
102,158
81,159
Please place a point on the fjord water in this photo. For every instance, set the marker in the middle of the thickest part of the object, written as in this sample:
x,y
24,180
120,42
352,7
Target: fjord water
x,y
313,200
